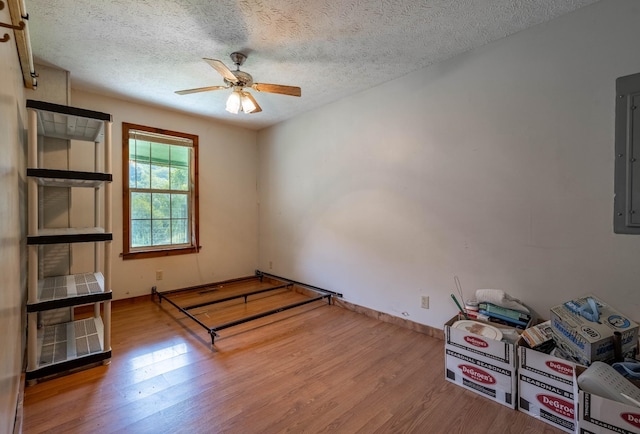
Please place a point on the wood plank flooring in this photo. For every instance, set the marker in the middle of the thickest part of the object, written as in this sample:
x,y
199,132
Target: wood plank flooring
x,y
313,369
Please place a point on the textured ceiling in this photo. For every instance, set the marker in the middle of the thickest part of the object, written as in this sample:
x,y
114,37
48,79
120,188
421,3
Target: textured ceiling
x,y
144,50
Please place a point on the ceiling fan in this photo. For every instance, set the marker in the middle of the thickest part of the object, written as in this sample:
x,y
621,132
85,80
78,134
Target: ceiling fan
x,y
240,100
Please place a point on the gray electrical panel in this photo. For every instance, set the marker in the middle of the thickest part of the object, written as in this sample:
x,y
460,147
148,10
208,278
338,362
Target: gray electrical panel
x,y
626,204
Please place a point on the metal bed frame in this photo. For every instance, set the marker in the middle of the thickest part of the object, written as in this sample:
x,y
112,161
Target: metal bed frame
x,y
284,283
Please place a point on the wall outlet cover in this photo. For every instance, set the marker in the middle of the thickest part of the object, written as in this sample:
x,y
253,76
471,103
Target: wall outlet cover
x,y
425,302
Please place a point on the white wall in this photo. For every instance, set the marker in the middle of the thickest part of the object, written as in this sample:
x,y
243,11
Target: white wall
x,y
13,285
495,166
228,197
53,86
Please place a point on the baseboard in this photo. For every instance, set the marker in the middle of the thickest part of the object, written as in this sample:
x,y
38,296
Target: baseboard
x,y
385,317
17,427
81,311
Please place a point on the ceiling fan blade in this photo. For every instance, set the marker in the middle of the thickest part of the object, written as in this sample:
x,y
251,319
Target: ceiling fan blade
x,y
222,69
255,103
200,89
278,88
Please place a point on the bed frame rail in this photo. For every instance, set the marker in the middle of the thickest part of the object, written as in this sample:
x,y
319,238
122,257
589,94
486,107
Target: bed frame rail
x,y
286,283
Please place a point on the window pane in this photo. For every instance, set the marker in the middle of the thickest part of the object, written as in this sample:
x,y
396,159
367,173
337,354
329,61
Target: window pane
x,y
140,233
179,232
180,178
132,174
159,177
143,178
141,150
140,205
132,150
161,232
179,206
160,154
161,208
180,156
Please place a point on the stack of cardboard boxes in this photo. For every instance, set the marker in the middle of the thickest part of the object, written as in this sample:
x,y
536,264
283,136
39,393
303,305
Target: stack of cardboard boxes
x,y
543,385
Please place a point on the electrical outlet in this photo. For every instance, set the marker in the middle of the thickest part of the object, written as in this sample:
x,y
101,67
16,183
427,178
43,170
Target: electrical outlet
x,y
425,302
158,274
270,265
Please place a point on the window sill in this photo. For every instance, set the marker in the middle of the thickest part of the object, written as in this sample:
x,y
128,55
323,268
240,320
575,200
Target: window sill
x,y
159,253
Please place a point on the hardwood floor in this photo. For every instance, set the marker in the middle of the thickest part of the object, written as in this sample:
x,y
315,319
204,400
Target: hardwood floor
x,y
313,369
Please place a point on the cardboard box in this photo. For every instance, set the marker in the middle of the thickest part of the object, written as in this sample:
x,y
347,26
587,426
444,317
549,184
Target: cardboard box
x,y
590,341
484,366
598,415
602,416
571,351
547,388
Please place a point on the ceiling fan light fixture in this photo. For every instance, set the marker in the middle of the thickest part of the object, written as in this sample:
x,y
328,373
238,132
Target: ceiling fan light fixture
x,y
240,101
247,105
234,102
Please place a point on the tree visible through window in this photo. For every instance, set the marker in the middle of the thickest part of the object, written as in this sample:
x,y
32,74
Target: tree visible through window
x,y
160,209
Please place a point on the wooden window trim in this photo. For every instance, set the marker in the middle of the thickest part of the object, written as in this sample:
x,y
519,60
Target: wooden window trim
x,y
126,221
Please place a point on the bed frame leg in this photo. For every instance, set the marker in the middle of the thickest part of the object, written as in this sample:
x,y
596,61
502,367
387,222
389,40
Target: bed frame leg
x,y
154,292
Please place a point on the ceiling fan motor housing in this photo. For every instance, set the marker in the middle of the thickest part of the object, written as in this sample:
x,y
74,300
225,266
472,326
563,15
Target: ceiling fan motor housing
x,y
244,79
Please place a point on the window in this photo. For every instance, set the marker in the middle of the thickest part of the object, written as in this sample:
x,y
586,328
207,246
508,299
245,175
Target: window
x,y
160,206
626,219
